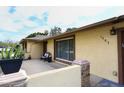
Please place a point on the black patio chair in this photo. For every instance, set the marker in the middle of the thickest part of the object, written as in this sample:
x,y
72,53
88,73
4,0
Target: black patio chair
x,y
47,57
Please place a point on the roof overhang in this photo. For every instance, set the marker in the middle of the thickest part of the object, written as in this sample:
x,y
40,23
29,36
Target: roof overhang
x,y
27,39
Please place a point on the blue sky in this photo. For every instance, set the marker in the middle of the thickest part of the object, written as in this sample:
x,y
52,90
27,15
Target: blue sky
x,y
18,22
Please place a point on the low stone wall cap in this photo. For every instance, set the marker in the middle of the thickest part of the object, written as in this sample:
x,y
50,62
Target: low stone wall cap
x,y
81,62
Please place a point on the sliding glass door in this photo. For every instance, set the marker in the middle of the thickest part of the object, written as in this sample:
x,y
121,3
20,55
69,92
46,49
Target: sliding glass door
x,y
65,49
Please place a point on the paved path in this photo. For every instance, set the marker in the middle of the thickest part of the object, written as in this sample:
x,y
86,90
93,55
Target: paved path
x,y
96,81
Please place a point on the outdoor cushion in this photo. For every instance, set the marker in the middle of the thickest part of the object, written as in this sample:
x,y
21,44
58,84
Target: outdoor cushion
x,y
46,55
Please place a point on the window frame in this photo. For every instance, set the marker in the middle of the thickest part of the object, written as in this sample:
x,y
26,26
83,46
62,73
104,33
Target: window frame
x,y
55,47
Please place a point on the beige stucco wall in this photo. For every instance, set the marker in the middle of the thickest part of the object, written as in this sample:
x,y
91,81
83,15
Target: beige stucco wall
x,y
92,45
98,47
35,49
119,25
57,78
50,47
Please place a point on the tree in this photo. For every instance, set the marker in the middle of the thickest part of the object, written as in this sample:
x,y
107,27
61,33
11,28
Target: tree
x,y
70,29
46,32
37,33
7,43
55,31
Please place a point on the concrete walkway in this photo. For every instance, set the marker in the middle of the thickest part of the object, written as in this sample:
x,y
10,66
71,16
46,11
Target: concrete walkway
x,y
37,66
96,81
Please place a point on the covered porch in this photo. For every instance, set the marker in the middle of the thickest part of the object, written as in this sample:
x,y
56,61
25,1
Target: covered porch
x,y
34,47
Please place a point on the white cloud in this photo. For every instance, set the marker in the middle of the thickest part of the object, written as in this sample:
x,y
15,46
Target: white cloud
x,y
120,11
8,25
57,15
22,14
63,17
68,15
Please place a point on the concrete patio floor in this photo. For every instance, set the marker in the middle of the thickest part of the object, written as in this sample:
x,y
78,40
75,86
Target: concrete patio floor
x,y
37,66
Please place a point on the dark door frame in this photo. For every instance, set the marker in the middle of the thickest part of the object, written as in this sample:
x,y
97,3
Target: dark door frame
x,y
44,47
120,57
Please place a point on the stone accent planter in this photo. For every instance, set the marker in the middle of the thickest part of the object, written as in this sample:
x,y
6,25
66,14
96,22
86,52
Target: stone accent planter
x,y
85,72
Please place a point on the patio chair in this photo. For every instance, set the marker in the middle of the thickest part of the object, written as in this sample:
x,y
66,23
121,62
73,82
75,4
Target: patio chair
x,y
47,57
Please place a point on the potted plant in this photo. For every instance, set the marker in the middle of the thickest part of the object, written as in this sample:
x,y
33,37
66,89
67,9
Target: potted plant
x,y
11,59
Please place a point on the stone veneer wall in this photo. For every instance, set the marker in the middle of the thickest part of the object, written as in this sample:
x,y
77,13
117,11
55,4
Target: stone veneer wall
x,y
85,72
